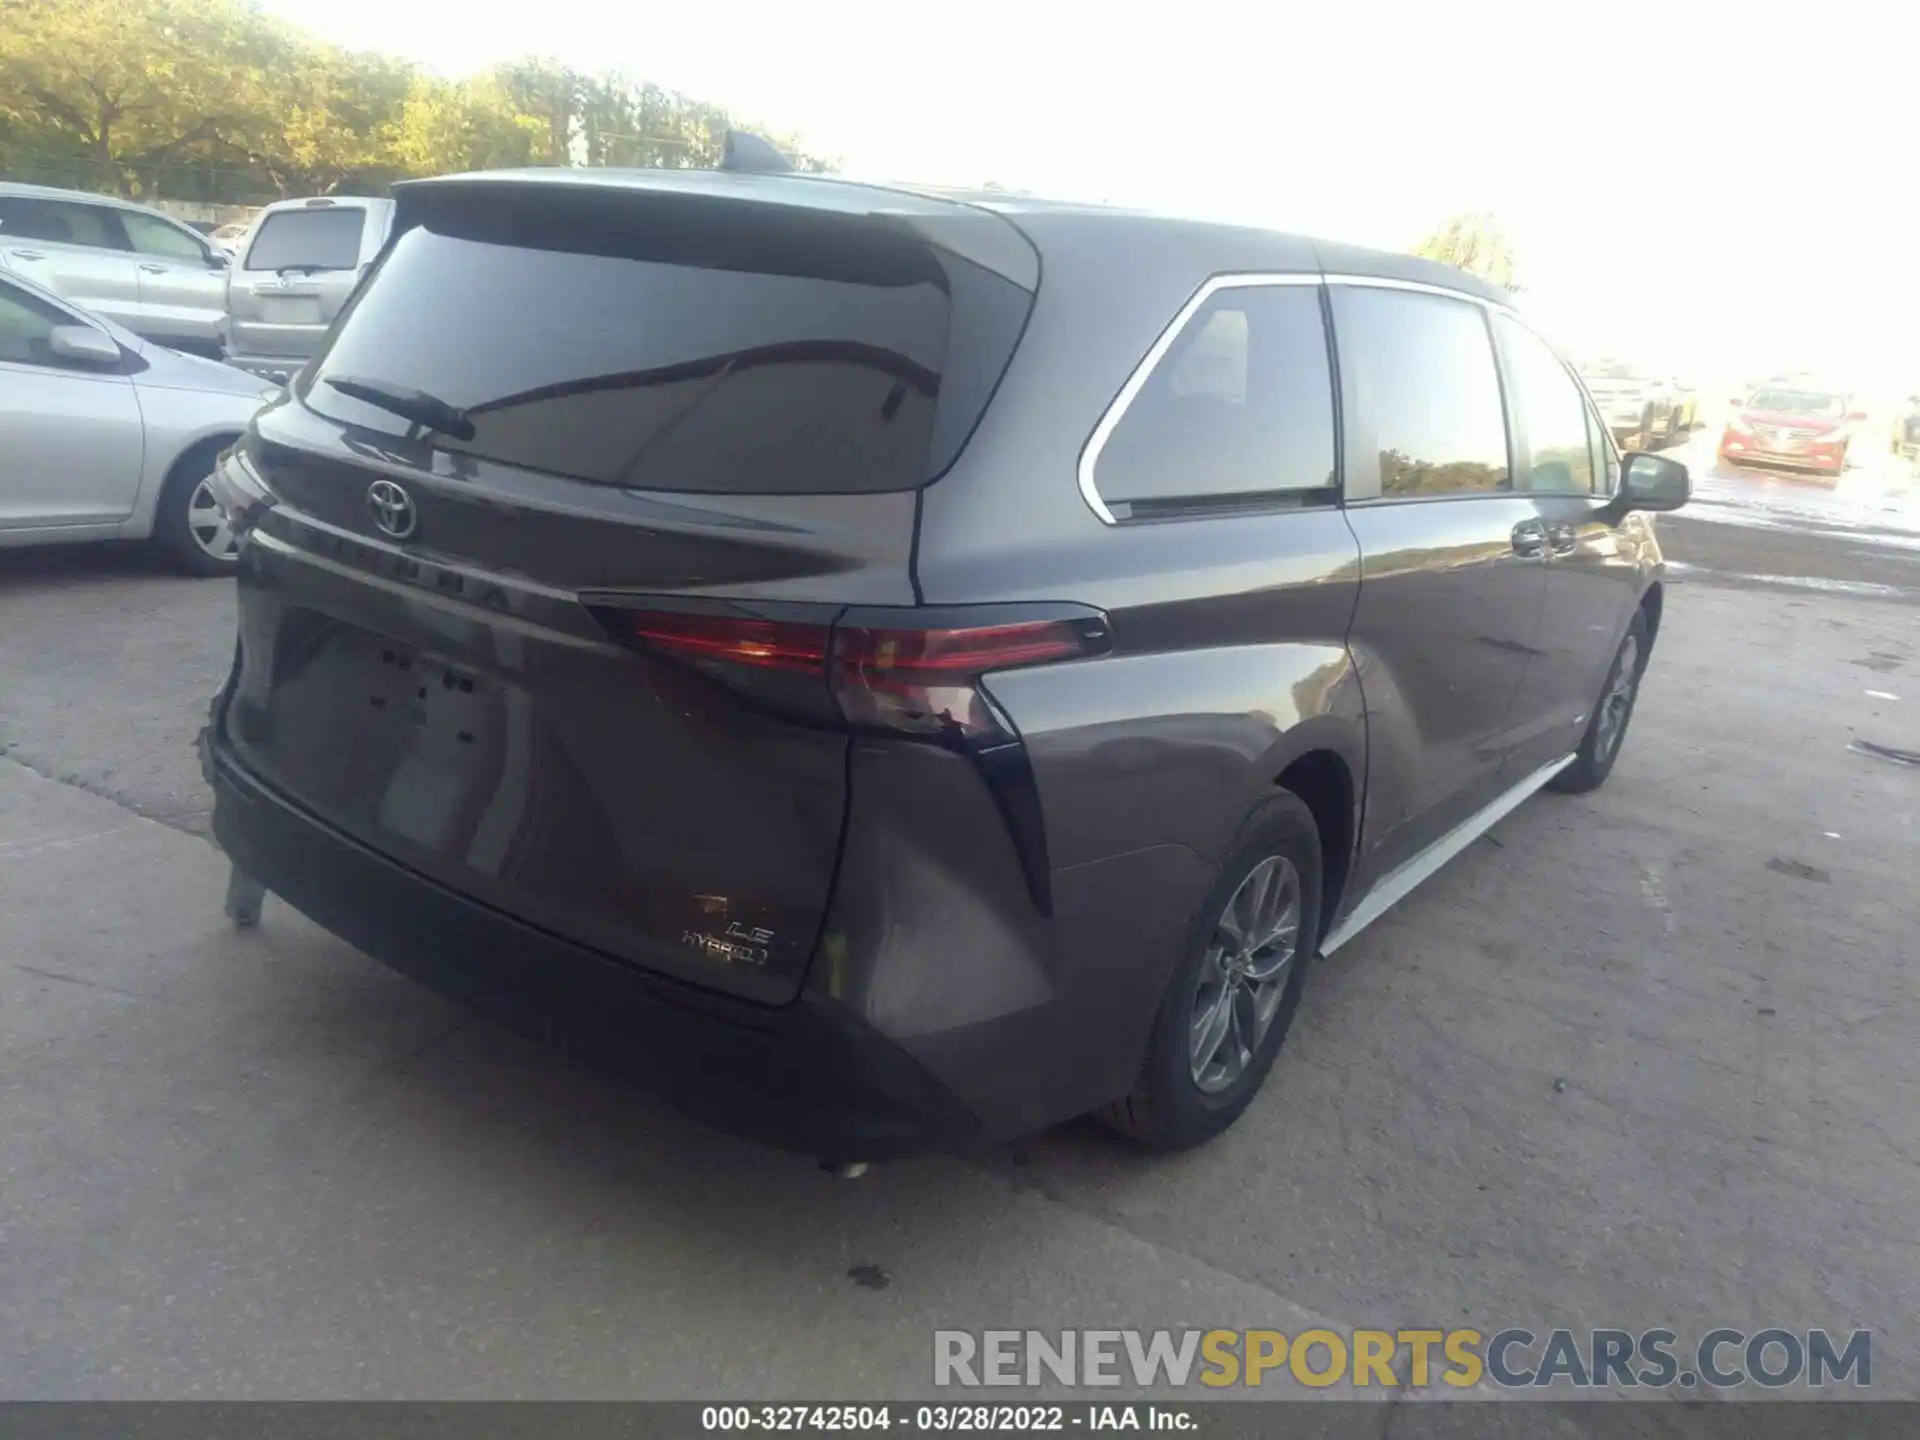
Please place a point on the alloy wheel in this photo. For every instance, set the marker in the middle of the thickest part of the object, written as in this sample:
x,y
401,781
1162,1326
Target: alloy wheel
x,y
207,524
1244,975
1618,701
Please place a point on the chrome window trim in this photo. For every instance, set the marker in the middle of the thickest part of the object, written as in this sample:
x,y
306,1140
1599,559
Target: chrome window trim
x,y
1137,380
1422,287
1115,412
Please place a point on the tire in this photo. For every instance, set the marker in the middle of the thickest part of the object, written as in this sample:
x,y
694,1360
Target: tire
x,y
1607,728
1177,1102
180,530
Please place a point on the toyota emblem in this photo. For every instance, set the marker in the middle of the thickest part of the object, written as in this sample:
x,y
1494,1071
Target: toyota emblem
x,y
392,509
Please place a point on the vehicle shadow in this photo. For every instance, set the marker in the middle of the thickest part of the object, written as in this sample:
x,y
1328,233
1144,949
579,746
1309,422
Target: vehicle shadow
x,y
507,1176
38,564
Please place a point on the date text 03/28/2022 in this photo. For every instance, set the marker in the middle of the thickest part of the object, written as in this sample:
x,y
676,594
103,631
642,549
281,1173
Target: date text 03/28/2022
x,y
942,1418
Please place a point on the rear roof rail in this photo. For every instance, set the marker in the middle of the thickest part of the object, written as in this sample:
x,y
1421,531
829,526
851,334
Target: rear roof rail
x,y
745,152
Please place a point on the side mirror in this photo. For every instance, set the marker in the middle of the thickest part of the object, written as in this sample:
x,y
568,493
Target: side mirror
x,y
83,344
1653,482
1854,417
218,259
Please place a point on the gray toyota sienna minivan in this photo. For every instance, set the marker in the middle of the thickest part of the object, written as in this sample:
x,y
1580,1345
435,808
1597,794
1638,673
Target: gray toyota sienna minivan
x,y
894,669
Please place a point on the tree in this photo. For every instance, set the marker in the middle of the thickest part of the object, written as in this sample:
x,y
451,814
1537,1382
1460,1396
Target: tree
x,y
337,123
132,84
450,127
212,100
546,92
1475,243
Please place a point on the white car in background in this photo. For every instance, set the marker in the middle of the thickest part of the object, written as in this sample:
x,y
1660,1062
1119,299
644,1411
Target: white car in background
x,y
1640,405
105,436
228,237
137,266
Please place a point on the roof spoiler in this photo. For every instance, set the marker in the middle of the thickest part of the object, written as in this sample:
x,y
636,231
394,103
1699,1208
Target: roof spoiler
x,y
752,154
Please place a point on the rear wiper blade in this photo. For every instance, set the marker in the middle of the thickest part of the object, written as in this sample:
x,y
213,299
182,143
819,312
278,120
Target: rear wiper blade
x,y
415,405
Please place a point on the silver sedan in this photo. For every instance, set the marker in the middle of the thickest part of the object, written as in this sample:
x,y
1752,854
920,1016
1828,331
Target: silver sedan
x,y
105,436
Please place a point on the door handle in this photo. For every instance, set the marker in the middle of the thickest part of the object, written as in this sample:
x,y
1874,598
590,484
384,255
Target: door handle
x,y
28,254
1530,539
153,269
1563,539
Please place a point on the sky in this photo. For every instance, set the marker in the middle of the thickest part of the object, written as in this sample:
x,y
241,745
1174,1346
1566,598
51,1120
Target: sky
x,y
1716,189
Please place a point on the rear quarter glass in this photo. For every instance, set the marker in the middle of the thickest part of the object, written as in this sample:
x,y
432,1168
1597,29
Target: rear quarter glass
x,y
745,349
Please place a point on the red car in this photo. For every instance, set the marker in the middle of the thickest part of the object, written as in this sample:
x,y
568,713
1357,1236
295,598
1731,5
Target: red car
x,y
1801,429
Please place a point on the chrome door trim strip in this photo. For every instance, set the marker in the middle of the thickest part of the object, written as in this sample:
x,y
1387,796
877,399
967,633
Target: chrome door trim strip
x,y
1396,886
1096,442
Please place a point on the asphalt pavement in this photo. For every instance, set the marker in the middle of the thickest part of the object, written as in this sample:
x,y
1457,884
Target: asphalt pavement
x,y
1646,1057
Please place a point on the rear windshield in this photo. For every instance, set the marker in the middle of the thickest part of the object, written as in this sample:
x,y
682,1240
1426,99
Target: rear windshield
x,y
758,351
309,240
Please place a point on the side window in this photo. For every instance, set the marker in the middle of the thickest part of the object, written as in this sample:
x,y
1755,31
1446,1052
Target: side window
x,y
61,222
1550,412
1215,361
24,217
1424,380
25,327
1241,404
157,238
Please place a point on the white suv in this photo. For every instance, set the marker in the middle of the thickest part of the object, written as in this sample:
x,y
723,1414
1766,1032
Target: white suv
x,y
139,267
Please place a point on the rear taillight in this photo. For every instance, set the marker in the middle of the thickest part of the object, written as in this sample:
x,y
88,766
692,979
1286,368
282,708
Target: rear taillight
x,y
927,682
912,679
769,644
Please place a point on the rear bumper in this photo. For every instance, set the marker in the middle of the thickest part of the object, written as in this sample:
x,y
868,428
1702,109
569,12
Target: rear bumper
x,y
806,1077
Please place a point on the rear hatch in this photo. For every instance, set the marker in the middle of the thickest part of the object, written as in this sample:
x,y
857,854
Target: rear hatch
x,y
297,269
717,398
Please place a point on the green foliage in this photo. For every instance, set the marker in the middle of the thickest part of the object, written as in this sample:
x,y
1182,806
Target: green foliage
x,y
211,100
1475,243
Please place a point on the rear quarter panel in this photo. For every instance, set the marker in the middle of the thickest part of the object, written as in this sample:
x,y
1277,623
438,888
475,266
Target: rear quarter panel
x,y
1230,661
